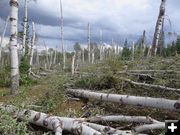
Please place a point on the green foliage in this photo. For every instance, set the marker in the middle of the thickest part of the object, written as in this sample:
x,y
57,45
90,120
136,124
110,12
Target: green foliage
x,y
11,126
105,81
24,67
5,76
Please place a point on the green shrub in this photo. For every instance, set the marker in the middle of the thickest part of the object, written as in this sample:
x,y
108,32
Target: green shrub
x,y
5,76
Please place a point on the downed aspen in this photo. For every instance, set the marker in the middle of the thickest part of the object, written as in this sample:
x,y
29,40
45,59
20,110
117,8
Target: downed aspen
x,y
160,103
146,127
150,85
119,118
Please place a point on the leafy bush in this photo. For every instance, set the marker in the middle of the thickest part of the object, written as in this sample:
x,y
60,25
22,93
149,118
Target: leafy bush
x,y
24,67
96,82
11,126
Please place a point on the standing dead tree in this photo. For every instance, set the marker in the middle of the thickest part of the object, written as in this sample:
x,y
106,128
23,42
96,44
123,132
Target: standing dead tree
x,y
14,47
101,49
89,45
160,103
62,38
25,26
32,46
2,35
143,44
55,55
133,46
158,27
72,65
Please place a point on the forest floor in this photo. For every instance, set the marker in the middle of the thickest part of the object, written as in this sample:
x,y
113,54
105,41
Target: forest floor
x,y
49,95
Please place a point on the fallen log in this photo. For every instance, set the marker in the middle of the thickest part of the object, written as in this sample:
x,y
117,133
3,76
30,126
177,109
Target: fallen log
x,y
58,124
149,71
150,85
34,75
146,127
159,103
121,118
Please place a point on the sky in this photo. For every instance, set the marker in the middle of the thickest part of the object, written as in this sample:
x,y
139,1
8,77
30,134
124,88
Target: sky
x,y
118,19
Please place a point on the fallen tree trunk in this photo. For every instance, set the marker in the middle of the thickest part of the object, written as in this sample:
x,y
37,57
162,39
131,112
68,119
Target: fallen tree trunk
x,y
149,71
146,127
150,85
59,124
159,103
137,119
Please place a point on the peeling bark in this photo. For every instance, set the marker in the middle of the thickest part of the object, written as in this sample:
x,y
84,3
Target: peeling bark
x,y
149,51
142,44
158,27
159,103
13,47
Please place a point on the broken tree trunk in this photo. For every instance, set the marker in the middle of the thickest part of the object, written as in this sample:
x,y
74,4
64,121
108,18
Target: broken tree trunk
x,y
149,51
25,26
143,44
92,53
133,46
55,55
57,124
159,103
89,45
158,27
13,47
83,55
62,38
150,85
2,35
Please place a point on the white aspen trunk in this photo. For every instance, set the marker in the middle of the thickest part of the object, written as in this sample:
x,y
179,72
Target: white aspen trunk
x,y
101,49
47,58
149,51
122,118
55,55
32,46
37,57
13,47
146,127
143,44
89,44
112,47
25,27
116,50
51,58
55,123
158,27
133,45
2,35
93,54
72,65
160,103
62,38
83,55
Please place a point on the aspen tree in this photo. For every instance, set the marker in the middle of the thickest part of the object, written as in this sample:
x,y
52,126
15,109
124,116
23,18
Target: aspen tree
x,y
14,47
